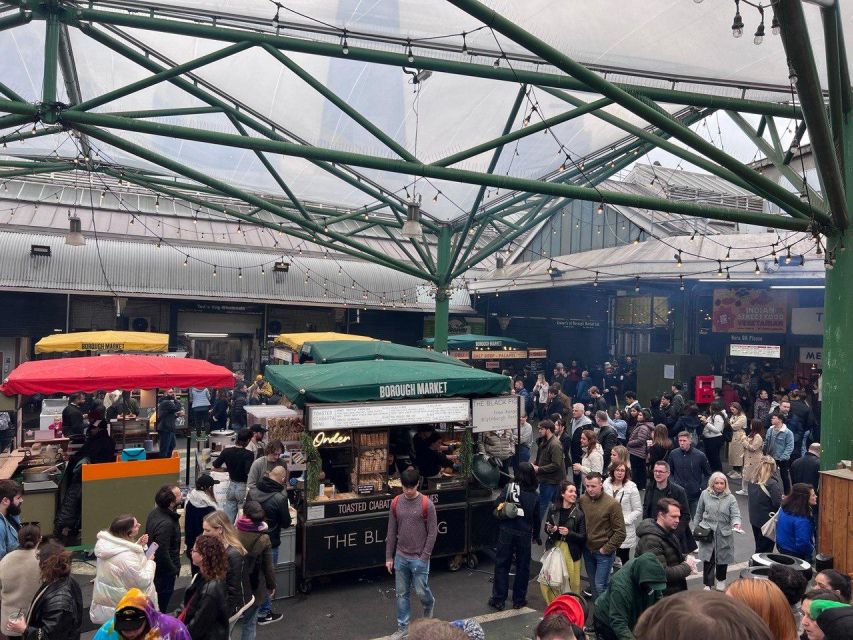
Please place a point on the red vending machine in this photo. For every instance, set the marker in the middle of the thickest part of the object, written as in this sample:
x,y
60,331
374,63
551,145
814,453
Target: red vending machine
x,y
703,387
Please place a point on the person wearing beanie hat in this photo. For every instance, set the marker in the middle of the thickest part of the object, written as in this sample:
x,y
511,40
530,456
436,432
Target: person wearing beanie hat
x,y
568,606
137,619
834,621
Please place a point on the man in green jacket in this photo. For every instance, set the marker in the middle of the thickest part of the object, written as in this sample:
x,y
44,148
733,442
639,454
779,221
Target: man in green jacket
x,y
633,589
549,464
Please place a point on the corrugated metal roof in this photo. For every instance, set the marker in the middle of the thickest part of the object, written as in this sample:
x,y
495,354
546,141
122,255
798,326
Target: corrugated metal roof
x,y
131,267
654,260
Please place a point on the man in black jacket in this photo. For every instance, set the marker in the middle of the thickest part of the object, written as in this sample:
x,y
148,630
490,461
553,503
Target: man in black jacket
x,y
72,416
167,416
807,468
163,527
273,498
658,537
690,469
607,436
662,488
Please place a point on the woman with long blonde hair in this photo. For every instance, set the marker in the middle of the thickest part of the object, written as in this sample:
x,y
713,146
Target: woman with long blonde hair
x,y
238,585
768,601
765,497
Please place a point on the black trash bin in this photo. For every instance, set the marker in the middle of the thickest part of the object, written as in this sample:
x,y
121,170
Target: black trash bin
x,y
757,572
822,562
768,559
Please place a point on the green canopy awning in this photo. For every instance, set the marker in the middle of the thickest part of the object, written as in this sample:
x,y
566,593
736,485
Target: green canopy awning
x,y
351,351
382,380
474,341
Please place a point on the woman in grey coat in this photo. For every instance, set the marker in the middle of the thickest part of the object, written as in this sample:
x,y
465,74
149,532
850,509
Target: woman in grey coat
x,y
717,510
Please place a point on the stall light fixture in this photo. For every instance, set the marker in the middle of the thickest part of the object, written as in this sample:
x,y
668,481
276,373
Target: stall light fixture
x,y
282,267
75,237
40,250
412,225
205,335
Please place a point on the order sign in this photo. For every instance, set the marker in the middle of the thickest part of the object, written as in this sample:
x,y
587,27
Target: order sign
x,y
494,414
359,415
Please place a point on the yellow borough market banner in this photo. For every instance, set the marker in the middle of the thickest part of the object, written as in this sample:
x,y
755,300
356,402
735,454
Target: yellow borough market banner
x,y
138,341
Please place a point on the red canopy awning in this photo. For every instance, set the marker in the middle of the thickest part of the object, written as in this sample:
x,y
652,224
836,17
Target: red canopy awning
x,y
103,373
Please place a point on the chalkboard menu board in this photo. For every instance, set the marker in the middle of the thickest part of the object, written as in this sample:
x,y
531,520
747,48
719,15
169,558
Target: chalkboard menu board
x,y
347,544
495,414
360,415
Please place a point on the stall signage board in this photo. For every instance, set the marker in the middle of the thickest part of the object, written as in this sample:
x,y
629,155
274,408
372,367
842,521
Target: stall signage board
x,y
749,310
518,354
537,353
285,355
495,414
577,323
381,503
347,544
756,350
360,415
811,355
807,321
493,364
460,355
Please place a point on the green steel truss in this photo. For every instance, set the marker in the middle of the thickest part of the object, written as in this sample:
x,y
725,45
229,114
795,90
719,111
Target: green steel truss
x,y
449,248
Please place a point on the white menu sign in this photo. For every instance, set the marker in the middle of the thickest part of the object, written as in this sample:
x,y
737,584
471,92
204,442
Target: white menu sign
x,y
494,414
756,350
359,415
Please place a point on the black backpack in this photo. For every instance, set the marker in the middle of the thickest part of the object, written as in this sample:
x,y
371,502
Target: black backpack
x,y
728,432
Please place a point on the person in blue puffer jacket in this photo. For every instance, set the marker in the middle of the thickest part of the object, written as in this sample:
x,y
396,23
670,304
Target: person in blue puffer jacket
x,y
795,525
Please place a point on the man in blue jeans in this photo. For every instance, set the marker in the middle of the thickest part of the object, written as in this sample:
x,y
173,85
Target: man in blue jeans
x,y
549,467
412,530
605,532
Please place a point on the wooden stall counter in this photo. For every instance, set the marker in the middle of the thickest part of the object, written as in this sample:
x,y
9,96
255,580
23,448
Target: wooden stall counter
x,y
9,463
835,530
114,488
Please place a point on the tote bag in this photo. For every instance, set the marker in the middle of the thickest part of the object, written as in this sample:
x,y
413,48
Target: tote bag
x,y
768,529
553,572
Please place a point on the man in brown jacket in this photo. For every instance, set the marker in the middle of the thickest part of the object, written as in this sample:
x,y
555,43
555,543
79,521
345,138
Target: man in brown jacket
x,y
549,464
605,531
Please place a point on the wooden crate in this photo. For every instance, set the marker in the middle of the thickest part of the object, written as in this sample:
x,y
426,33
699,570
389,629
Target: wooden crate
x,y
835,531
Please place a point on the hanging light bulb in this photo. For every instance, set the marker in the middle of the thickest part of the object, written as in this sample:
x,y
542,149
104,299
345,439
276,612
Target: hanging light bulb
x,y
681,283
759,32
728,253
214,271
678,261
637,285
263,270
344,44
410,56
792,74
775,29
757,268
719,268
595,282
186,261
737,23
157,204
600,208
464,43
728,275
240,273
693,236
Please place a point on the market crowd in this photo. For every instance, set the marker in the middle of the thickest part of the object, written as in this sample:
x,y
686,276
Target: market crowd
x,y
637,496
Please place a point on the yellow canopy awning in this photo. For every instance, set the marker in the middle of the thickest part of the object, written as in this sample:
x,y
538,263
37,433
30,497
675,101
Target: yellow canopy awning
x,y
138,341
294,341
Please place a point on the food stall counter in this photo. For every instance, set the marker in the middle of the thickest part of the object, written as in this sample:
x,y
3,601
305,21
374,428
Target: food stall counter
x,y
134,483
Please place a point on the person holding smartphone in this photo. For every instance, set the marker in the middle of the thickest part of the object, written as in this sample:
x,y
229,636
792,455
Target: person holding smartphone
x,y
123,564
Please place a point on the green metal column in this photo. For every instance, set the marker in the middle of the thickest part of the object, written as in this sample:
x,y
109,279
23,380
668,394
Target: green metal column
x,y
51,61
442,295
836,434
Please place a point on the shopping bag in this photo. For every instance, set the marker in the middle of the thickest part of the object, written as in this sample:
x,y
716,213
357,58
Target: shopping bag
x,y
768,529
553,572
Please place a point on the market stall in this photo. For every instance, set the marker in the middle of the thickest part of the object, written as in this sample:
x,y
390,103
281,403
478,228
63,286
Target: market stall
x,y
91,374
350,408
490,352
287,347
354,351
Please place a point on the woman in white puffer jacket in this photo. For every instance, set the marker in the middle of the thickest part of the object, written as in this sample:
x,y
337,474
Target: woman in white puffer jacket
x,y
122,565
621,488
